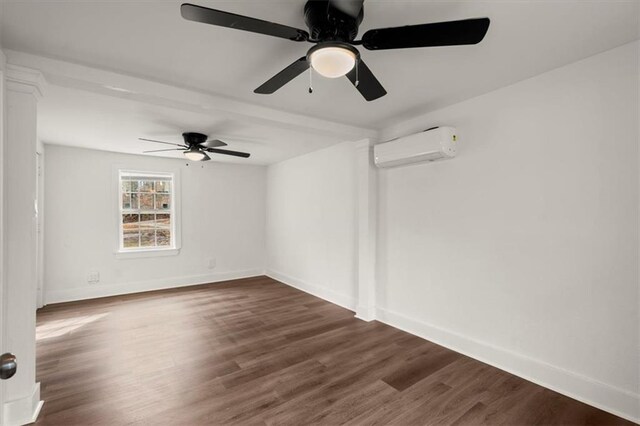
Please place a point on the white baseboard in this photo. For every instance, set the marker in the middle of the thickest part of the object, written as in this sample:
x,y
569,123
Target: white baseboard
x,y
609,398
366,313
23,411
339,299
104,290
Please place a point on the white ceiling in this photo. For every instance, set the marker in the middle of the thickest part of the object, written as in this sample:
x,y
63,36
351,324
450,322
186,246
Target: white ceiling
x,y
150,40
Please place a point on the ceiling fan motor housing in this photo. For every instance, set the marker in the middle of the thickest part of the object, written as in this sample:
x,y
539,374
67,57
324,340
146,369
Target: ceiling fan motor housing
x,y
327,23
192,138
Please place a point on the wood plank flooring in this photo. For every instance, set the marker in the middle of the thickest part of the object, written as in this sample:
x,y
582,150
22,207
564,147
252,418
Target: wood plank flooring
x,y
256,352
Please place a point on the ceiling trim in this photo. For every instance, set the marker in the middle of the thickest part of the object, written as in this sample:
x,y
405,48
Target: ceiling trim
x,y
25,80
81,77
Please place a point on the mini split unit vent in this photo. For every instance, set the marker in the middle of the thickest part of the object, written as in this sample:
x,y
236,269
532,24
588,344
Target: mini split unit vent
x,y
434,144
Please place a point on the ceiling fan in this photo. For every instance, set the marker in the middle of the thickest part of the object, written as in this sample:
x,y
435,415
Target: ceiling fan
x,y
333,26
196,146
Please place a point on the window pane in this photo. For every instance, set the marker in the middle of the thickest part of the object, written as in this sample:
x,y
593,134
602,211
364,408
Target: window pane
x,y
163,221
126,200
164,237
147,222
134,201
134,186
148,238
146,201
163,186
130,230
131,240
130,221
146,186
163,201
163,229
126,185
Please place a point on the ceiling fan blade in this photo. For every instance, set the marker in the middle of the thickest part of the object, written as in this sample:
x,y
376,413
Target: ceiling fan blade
x,y
205,15
349,7
367,83
213,143
166,143
163,150
228,152
283,77
452,33
206,157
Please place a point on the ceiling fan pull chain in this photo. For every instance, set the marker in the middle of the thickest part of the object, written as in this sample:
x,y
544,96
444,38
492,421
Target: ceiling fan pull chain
x,y
310,80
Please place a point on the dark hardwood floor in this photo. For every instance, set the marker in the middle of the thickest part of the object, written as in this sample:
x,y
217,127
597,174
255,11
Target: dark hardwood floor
x,y
255,352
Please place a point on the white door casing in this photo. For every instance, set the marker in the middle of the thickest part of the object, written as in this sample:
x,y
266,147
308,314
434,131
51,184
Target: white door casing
x,y
22,90
3,322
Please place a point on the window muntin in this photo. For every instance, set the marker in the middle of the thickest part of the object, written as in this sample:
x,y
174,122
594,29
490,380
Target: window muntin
x,y
146,211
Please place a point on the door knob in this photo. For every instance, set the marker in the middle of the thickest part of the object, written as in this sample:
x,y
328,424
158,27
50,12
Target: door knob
x,y
8,366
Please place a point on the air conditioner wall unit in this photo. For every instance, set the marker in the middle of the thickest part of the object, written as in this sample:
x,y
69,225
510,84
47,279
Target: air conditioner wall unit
x,y
438,143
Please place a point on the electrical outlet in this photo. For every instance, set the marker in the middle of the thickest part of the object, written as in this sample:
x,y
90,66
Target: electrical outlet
x,y
212,263
93,277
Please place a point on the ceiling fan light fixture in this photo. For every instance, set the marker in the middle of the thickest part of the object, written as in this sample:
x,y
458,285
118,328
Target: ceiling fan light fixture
x,y
333,25
194,154
333,61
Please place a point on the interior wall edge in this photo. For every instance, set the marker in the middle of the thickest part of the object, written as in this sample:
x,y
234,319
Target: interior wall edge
x,y
102,290
25,410
601,395
322,292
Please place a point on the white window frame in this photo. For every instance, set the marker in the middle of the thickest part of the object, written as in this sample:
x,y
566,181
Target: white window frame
x,y
136,252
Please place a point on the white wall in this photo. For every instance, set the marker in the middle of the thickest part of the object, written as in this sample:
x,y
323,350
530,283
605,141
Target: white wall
x,y
523,250
223,217
311,223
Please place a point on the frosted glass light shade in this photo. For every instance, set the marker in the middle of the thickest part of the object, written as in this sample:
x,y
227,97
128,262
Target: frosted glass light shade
x,y
194,155
333,62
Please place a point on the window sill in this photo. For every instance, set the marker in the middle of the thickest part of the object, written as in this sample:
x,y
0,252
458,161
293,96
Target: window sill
x,y
135,254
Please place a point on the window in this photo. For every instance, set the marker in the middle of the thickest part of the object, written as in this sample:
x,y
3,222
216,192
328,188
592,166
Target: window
x,y
146,211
